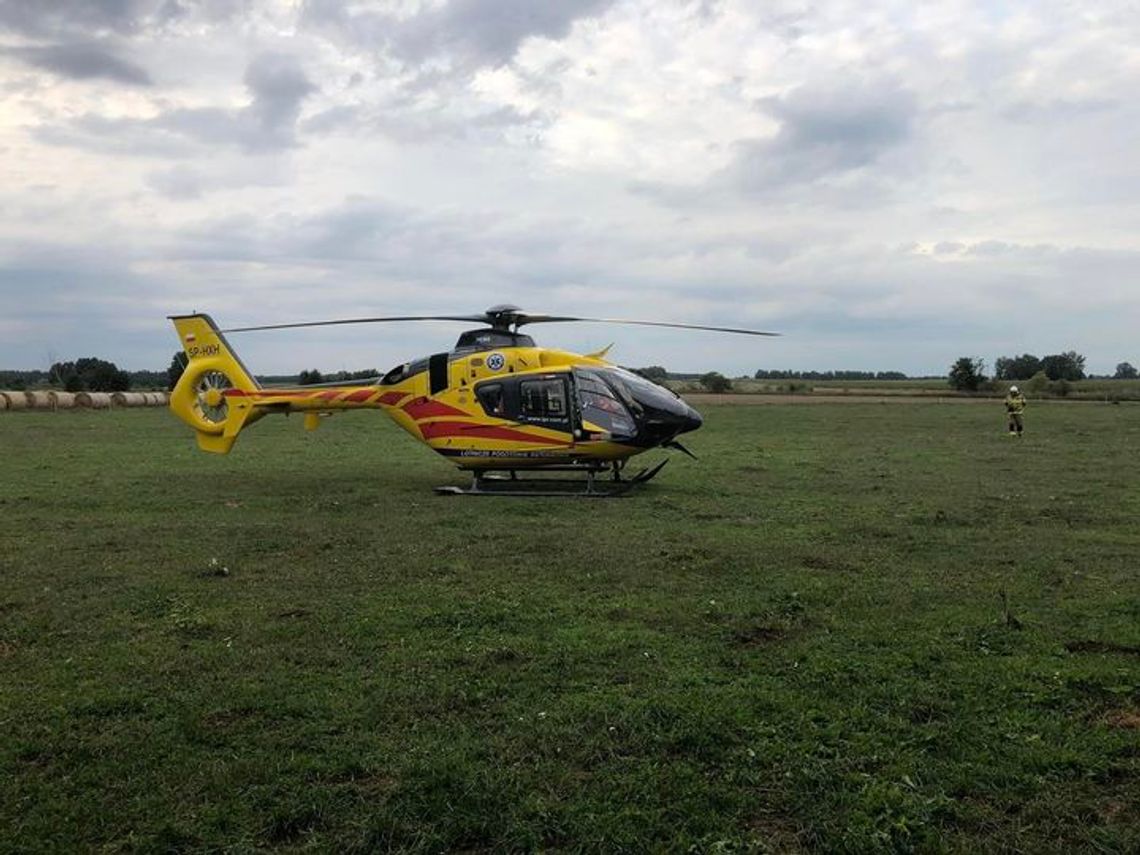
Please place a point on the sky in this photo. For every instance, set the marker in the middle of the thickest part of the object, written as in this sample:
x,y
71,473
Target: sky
x,y
889,185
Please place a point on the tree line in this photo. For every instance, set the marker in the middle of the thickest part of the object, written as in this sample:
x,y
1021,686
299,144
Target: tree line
x,y
968,373
764,374
312,376
89,374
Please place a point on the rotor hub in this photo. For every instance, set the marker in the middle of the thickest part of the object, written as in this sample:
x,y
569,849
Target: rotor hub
x,y
503,315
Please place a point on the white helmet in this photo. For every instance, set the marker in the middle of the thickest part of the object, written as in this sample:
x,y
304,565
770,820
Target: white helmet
x,y
1013,389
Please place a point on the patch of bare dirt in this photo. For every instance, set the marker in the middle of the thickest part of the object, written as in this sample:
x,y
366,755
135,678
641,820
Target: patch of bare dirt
x,y
755,636
1123,719
1102,647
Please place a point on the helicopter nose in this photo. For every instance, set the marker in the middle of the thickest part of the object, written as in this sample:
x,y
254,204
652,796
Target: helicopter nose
x,y
691,420
665,424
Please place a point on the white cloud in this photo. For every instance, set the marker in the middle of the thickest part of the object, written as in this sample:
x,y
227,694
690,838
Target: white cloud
x,y
886,183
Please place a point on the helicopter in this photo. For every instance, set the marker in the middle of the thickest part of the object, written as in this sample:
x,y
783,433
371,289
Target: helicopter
x,y
497,405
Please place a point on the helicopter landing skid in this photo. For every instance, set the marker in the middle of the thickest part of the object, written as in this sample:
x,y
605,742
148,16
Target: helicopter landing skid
x,y
509,483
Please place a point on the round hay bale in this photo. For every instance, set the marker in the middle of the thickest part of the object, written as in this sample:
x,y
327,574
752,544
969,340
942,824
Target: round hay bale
x,y
15,400
129,399
156,399
63,400
93,400
3,401
40,400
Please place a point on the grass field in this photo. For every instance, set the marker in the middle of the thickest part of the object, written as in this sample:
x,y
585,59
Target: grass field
x,y
850,627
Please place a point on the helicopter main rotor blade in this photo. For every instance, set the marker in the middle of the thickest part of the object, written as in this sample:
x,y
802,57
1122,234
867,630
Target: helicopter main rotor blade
x,y
500,318
550,319
462,318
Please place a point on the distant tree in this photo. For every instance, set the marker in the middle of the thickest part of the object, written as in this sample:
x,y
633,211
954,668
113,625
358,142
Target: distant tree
x,y
780,374
89,374
18,381
1069,365
64,374
144,379
101,376
1125,371
653,372
308,378
347,376
967,374
177,366
1016,367
714,381
1038,383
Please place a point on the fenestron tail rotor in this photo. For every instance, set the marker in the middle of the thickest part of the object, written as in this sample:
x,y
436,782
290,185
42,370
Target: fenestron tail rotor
x,y
209,396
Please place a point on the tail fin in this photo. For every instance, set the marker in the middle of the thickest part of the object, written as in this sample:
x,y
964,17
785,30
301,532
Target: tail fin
x,y
199,397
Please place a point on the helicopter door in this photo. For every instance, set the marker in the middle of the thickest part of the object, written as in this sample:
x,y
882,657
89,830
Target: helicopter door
x,y
545,402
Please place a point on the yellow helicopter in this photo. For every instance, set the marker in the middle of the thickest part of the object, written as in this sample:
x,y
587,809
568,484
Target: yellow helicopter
x,y
496,404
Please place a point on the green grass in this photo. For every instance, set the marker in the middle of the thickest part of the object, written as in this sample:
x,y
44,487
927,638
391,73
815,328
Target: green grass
x,y
850,627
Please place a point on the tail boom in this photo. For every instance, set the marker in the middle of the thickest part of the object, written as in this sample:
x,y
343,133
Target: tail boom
x,y
219,397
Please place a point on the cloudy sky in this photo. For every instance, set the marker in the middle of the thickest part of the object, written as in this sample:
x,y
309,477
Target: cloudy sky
x,y
891,185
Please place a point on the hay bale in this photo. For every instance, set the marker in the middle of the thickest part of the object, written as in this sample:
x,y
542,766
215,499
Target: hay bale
x,y
93,400
15,400
129,399
40,400
156,399
63,400
3,401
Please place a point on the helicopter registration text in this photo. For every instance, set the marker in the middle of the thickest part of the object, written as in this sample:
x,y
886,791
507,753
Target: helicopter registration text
x,y
204,350
506,453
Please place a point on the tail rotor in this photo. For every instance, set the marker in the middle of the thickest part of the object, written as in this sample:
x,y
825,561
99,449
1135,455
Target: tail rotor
x,y
212,370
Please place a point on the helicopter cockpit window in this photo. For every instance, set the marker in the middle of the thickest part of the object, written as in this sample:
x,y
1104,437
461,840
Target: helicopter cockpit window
x,y
644,392
601,405
492,398
543,401
402,372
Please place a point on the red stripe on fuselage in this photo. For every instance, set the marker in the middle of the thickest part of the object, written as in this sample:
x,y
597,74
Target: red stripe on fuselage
x,y
424,408
390,399
266,393
470,430
356,397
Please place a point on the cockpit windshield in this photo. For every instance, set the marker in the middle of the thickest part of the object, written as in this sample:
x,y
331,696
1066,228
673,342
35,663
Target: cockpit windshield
x,y
643,391
602,405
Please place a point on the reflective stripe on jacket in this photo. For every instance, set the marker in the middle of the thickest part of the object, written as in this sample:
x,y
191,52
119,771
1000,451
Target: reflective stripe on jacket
x,y
1015,404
